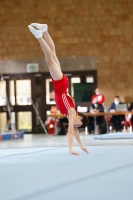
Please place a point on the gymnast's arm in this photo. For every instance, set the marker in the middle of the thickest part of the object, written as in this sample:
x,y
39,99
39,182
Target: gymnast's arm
x,y
77,137
71,116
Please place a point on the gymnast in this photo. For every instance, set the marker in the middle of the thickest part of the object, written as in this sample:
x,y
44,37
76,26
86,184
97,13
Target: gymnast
x,y
60,83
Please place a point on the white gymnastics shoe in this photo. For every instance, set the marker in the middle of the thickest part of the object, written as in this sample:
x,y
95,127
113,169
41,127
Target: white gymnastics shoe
x,y
42,27
36,33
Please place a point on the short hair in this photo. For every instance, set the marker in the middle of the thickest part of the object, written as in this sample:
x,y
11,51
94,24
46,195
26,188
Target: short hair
x,y
84,120
117,97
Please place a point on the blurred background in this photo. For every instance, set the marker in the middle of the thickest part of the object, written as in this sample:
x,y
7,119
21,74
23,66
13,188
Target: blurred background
x,y
94,44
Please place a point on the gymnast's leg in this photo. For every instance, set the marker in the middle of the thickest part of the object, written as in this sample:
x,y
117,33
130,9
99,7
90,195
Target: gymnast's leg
x,y
49,53
50,43
48,39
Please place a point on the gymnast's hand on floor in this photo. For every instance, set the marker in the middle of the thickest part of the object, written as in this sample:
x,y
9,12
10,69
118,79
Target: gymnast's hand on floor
x,y
73,152
84,149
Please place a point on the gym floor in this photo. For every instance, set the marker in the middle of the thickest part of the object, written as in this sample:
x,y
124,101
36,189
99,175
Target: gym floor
x,y
40,167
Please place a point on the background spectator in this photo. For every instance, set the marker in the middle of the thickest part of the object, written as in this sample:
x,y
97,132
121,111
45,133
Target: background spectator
x,y
96,107
52,123
116,120
99,96
9,127
63,123
129,117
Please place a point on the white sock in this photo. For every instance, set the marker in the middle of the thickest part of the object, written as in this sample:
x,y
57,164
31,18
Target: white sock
x,y
36,33
42,27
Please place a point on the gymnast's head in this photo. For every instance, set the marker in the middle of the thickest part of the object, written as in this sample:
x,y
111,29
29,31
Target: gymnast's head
x,y
81,120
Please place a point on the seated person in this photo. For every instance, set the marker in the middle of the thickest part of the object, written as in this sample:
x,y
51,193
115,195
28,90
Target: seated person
x,y
116,120
129,117
9,127
96,107
63,124
52,123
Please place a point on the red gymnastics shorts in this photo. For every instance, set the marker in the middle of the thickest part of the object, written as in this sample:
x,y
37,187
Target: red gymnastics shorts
x,y
62,98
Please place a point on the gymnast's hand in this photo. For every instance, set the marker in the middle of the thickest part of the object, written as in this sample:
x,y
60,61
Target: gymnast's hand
x,y
73,152
84,149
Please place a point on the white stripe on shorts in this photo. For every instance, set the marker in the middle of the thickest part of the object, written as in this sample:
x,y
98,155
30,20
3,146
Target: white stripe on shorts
x,y
65,101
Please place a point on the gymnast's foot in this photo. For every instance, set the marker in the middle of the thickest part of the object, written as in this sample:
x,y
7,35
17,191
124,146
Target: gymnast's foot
x,y
42,27
36,33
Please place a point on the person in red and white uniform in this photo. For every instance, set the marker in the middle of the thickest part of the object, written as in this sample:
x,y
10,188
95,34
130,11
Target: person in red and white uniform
x,y
60,82
100,97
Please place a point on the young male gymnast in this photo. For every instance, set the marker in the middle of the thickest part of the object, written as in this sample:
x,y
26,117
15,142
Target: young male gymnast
x,y
60,82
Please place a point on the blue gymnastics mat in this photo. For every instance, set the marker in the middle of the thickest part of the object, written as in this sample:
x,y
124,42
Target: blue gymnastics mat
x,y
51,173
118,135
